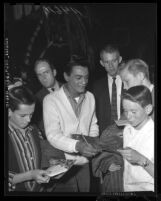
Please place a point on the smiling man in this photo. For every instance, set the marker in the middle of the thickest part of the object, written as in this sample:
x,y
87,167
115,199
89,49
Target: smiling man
x,y
68,111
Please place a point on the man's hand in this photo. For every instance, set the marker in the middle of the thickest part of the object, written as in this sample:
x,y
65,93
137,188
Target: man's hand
x,y
86,150
113,167
11,187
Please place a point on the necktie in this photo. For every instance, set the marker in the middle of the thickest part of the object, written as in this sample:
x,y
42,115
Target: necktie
x,y
122,92
114,101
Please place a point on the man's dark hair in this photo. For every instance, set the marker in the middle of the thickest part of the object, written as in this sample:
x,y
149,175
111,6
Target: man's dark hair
x,y
76,61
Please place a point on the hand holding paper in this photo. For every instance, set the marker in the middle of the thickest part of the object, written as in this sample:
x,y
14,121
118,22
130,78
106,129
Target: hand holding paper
x,y
59,167
131,155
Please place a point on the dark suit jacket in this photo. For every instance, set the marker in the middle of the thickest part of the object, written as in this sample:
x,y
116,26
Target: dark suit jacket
x,y
103,105
41,94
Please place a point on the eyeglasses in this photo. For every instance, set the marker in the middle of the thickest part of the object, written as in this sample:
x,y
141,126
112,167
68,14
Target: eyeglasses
x,y
110,62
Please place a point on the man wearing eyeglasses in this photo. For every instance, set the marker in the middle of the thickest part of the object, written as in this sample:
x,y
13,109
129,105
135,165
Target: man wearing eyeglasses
x,y
108,102
107,92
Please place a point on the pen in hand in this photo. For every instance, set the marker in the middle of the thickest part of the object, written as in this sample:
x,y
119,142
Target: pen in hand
x,y
84,139
98,149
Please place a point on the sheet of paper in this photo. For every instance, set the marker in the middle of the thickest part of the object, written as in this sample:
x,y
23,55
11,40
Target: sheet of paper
x,y
121,122
56,170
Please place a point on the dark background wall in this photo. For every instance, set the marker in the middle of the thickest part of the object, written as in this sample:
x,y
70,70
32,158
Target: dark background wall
x,y
85,27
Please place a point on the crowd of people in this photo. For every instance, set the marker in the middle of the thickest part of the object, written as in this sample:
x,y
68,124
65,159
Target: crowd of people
x,y
108,132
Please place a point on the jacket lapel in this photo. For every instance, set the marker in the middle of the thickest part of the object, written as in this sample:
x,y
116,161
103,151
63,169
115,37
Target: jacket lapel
x,y
67,103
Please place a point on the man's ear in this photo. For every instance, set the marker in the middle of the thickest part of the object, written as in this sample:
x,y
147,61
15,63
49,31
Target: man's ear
x,y
102,64
54,72
141,76
120,59
66,77
149,109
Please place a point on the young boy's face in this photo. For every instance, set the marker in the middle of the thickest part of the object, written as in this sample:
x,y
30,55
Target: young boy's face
x,y
135,113
22,116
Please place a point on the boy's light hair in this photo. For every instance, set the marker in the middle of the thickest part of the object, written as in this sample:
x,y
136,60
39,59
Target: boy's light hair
x,y
136,66
139,94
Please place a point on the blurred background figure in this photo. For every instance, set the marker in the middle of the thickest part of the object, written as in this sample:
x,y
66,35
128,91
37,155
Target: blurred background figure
x,y
46,75
26,74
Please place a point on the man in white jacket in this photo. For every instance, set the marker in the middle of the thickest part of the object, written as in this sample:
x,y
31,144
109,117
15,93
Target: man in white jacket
x,y
68,111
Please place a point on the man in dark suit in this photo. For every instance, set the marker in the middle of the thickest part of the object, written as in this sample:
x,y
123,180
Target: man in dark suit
x,y
109,59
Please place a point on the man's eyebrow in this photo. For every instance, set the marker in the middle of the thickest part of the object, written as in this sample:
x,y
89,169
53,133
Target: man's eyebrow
x,y
82,75
79,75
42,72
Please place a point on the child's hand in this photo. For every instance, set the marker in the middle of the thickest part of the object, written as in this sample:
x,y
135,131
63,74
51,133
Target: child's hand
x,y
40,176
131,155
113,167
11,187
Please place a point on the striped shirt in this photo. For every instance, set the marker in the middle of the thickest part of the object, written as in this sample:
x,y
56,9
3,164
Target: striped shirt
x,y
25,151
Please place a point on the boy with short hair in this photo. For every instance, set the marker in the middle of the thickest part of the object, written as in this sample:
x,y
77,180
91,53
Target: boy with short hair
x,y
138,140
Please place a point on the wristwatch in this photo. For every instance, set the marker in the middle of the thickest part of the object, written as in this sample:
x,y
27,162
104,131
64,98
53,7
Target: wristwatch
x,y
145,164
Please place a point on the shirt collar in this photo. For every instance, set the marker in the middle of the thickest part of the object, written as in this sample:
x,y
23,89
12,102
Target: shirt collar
x,y
15,127
151,87
111,78
23,131
67,92
56,86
